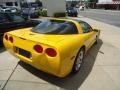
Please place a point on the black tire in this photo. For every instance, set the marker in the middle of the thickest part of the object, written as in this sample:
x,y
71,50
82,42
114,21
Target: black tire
x,y
79,60
97,39
75,14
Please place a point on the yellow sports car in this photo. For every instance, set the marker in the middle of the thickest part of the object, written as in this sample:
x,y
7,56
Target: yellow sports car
x,y
56,46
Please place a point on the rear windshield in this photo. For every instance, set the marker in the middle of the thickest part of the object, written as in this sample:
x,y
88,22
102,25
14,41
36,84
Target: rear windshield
x,y
55,27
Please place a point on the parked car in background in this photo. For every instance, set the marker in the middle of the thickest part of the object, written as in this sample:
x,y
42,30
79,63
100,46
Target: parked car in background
x,y
81,8
31,12
9,9
11,21
4,9
72,11
13,9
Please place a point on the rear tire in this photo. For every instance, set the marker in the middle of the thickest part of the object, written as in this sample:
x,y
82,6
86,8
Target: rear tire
x,y
79,60
97,39
75,14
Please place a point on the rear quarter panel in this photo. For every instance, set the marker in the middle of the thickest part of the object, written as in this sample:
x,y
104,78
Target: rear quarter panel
x,y
68,50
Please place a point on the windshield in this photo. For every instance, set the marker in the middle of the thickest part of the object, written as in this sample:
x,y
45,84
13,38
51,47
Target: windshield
x,y
55,27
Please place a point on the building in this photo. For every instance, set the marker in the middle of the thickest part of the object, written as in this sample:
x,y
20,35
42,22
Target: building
x,y
109,4
54,6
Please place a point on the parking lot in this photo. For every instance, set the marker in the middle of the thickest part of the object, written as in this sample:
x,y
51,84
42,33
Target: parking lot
x,y
100,71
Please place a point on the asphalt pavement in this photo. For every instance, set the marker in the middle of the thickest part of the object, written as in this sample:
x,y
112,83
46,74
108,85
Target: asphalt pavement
x,y
108,16
100,71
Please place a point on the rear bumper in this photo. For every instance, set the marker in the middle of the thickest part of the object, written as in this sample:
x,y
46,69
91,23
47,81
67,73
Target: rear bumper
x,y
41,62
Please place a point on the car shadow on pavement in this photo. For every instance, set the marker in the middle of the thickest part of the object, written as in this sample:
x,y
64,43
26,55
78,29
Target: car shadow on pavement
x,y
72,81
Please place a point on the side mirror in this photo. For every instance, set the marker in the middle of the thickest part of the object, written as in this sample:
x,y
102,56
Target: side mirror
x,y
96,30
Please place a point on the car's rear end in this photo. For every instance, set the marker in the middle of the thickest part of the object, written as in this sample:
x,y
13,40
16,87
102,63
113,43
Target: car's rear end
x,y
34,49
47,46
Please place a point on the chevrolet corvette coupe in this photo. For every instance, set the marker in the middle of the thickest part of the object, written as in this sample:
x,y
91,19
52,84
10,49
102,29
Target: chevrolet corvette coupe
x,y
56,46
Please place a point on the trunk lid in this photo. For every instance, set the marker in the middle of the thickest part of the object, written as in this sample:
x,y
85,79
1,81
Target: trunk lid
x,y
27,34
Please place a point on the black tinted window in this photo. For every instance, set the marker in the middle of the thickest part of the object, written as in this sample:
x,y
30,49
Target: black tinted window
x,y
3,18
72,29
86,27
55,27
15,17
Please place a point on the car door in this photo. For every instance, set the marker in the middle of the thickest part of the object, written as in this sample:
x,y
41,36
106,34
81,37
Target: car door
x,y
88,33
4,23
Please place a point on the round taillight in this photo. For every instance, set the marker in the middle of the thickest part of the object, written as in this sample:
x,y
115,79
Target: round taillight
x,y
6,37
51,52
38,48
11,39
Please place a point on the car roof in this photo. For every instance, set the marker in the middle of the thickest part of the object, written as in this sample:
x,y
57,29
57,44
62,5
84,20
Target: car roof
x,y
78,20
75,21
64,19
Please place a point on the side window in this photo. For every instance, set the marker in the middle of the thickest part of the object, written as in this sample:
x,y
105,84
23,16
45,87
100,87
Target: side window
x,y
86,27
68,29
72,29
16,18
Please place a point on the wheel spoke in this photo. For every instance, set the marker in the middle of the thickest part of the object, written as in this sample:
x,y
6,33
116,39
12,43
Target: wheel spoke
x,y
79,60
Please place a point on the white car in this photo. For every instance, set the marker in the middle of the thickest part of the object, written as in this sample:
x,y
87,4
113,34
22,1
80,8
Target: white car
x,y
8,9
81,8
4,9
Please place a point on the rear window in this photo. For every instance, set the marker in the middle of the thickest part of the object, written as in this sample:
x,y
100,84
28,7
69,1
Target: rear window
x,y
55,27
15,17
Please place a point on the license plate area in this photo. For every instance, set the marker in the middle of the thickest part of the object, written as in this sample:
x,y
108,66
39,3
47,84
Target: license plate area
x,y
22,52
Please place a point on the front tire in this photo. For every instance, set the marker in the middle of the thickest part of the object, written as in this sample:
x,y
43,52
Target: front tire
x,y
79,60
